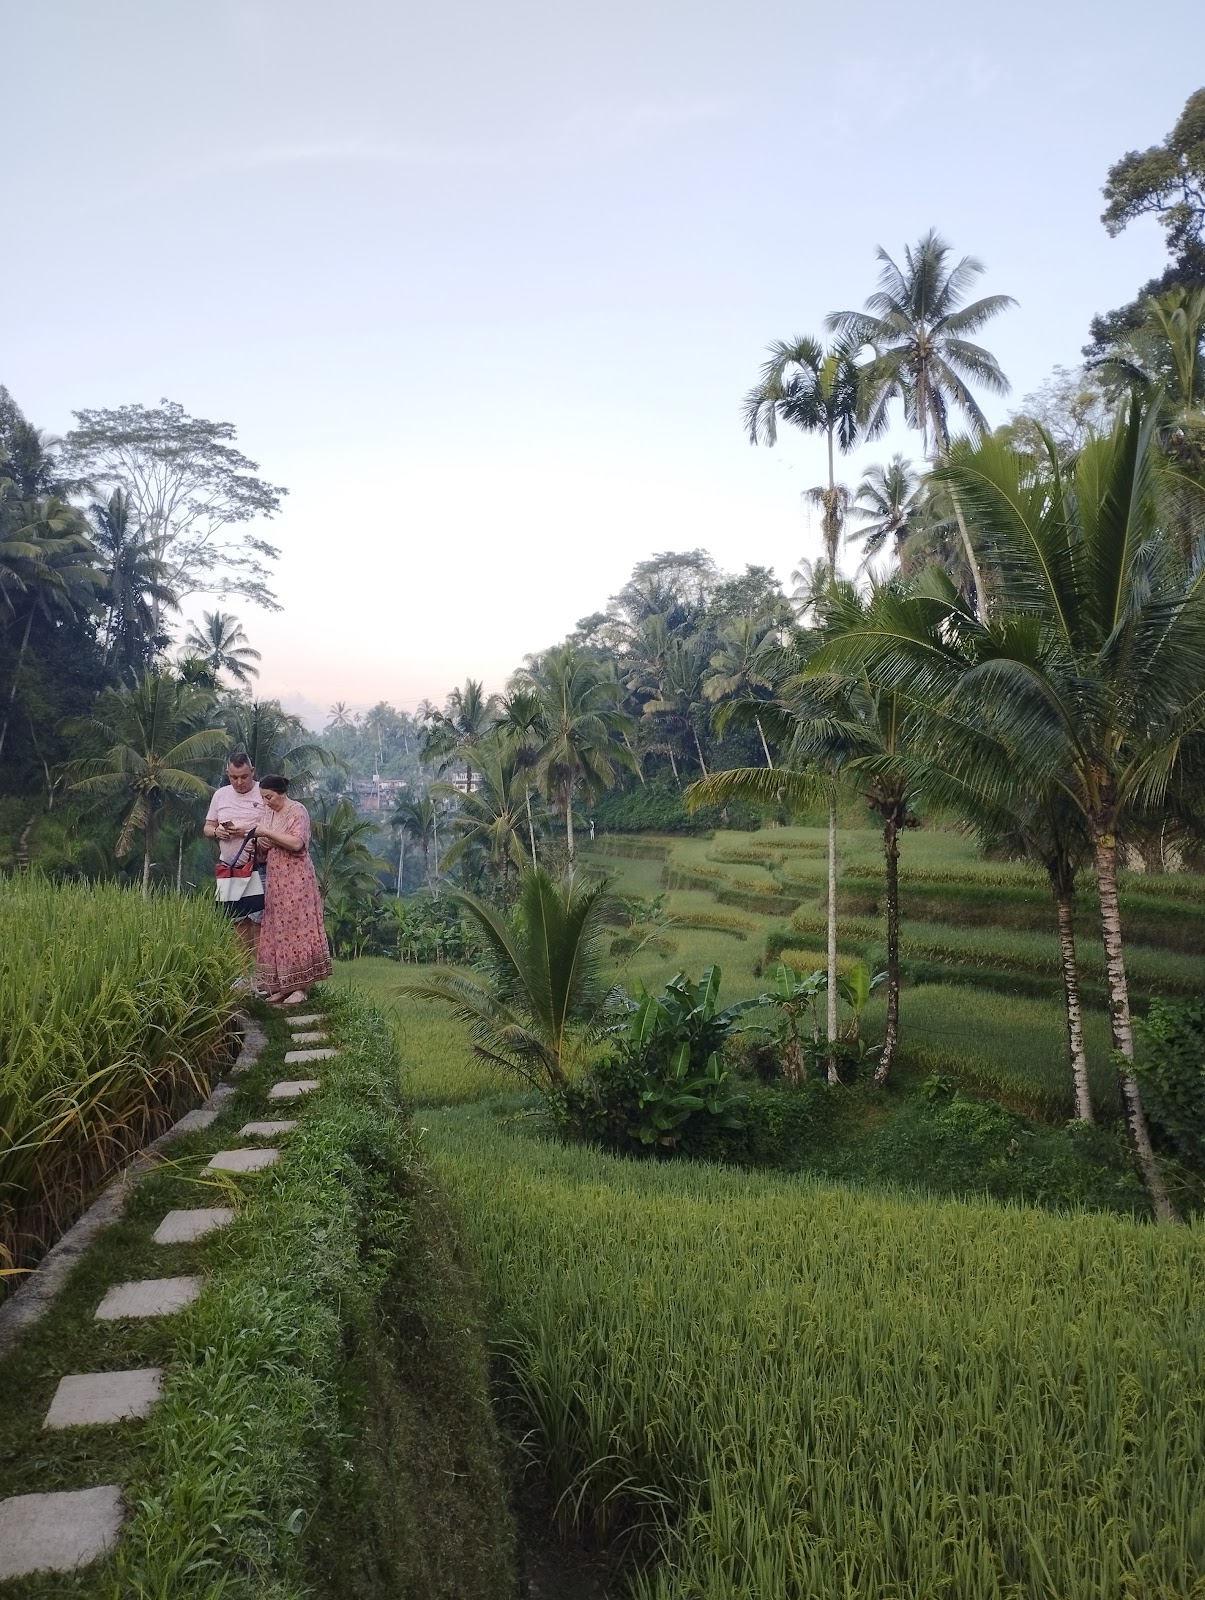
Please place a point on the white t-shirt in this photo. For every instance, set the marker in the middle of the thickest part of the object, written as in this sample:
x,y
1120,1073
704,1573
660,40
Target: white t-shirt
x,y
243,811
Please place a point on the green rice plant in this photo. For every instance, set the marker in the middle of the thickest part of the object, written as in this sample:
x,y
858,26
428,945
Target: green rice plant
x,y
114,1010
798,1390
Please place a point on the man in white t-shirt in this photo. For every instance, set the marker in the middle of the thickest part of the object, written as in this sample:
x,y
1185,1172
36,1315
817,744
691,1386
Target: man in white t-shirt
x,y
237,808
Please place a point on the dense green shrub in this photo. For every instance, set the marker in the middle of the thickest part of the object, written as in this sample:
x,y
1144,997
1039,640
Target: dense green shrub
x,y
665,1072
1171,1066
657,807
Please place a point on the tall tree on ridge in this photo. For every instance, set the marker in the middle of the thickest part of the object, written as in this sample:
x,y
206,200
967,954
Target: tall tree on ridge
x,y
919,327
220,640
819,391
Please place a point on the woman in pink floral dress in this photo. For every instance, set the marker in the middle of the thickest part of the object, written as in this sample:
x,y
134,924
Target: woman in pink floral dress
x,y
293,952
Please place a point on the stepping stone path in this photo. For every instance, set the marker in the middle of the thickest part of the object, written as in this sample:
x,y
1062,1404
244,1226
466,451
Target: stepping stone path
x,y
148,1297
84,1399
243,1160
57,1532
182,1227
68,1529
292,1087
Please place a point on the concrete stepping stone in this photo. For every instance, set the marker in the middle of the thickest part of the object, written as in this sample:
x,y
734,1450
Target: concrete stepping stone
x,y
291,1088
148,1297
310,1038
265,1130
294,1056
182,1227
58,1532
307,1022
195,1121
243,1160
85,1399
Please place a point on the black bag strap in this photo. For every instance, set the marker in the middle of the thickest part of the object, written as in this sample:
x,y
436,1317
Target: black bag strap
x,y
247,839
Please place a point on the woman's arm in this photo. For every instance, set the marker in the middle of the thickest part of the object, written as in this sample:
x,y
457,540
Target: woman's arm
x,y
282,840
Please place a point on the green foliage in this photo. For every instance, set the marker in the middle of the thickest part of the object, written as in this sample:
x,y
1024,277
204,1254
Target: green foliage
x,y
793,1387
667,1069
540,988
432,928
797,1025
657,806
114,1011
1171,1069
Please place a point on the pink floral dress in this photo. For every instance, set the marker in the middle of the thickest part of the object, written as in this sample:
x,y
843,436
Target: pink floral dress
x,y
293,952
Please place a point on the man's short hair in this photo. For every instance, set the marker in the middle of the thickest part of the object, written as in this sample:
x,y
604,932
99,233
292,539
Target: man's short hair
x,y
239,758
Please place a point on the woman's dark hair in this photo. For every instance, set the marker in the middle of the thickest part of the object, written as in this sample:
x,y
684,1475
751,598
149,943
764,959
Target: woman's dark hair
x,y
275,781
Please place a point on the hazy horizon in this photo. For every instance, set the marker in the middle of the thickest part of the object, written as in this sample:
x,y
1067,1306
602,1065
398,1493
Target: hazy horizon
x,y
484,289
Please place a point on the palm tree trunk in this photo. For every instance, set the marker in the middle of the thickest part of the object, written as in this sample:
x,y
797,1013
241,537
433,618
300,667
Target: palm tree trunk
x,y
401,863
764,745
669,750
833,1075
891,851
1071,1000
972,562
531,832
830,526
12,693
569,823
1105,851
146,864
180,863
699,749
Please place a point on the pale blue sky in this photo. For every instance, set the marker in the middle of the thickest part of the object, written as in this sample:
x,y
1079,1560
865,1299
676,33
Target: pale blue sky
x,y
484,285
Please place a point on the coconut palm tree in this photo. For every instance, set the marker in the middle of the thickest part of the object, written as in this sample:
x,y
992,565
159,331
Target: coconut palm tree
x,y
887,502
491,819
1094,667
340,716
543,984
275,740
454,733
919,326
135,591
414,819
221,642
819,391
160,747
343,861
46,566
520,721
586,734
740,669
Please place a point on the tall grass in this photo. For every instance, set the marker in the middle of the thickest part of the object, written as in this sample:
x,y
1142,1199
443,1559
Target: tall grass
x,y
809,1392
113,1009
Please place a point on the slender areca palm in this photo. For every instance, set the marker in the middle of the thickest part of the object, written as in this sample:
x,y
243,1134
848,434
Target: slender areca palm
x,y
812,725
159,745
585,731
920,328
819,391
543,985
220,640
